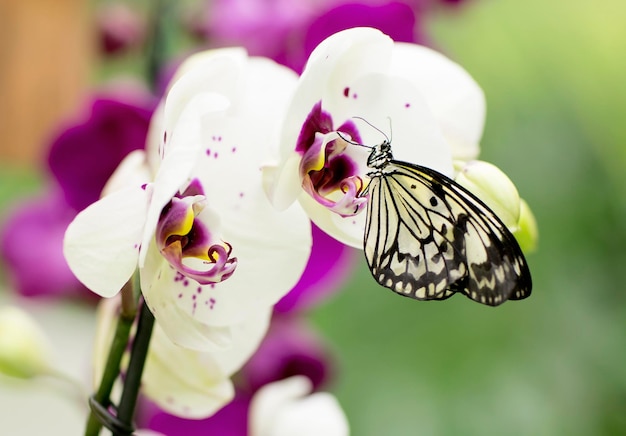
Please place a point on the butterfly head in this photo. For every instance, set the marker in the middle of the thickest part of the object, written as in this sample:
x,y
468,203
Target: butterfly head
x,y
380,155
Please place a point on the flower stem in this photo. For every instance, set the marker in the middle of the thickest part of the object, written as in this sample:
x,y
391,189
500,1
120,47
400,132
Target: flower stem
x,y
126,408
162,13
112,367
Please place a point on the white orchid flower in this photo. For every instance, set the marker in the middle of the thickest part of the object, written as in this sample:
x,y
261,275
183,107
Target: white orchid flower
x,y
287,408
190,212
359,87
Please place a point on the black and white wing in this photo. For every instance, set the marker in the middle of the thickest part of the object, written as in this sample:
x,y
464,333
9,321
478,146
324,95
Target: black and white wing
x,y
427,237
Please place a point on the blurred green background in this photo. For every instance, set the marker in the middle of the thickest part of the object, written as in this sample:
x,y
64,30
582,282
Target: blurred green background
x,y
554,75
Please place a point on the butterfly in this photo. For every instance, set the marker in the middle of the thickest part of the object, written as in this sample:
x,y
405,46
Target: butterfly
x,y
427,237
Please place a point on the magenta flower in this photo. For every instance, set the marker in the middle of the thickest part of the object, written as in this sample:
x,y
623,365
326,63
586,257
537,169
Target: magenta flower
x,y
230,420
291,30
290,348
396,19
81,158
85,154
119,28
34,231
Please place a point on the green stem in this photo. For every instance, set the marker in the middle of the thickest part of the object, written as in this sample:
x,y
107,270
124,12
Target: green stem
x,y
132,382
111,369
162,13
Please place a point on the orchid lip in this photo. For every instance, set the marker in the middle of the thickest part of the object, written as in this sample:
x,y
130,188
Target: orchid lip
x,y
186,242
328,174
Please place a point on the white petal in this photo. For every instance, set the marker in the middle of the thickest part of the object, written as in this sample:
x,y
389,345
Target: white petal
x,y
282,409
156,138
246,338
101,245
453,96
194,384
182,382
188,79
394,105
332,67
347,230
132,171
281,182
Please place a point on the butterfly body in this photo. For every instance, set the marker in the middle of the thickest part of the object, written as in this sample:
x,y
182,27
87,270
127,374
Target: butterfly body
x,y
428,238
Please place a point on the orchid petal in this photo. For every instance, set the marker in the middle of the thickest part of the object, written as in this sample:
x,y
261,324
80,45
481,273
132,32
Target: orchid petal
x,y
195,385
348,230
190,385
133,170
246,338
102,243
337,61
282,183
281,409
392,103
453,96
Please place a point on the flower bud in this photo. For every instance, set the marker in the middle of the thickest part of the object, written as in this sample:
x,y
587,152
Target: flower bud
x,y
24,348
493,187
527,232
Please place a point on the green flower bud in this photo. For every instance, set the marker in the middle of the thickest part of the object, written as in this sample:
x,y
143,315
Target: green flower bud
x,y
24,348
527,233
493,187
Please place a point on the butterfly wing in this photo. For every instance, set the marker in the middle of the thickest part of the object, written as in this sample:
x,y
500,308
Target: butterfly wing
x,y
427,237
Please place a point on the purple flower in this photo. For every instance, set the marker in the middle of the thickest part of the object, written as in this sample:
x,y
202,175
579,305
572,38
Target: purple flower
x,y
290,348
398,20
31,238
120,28
292,29
81,158
231,420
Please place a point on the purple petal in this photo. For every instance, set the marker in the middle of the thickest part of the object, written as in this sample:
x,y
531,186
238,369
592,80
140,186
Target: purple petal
x,y
329,266
120,28
397,20
32,248
84,156
290,348
231,420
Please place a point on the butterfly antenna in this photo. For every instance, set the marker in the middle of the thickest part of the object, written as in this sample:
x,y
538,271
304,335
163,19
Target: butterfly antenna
x,y
387,138
350,141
